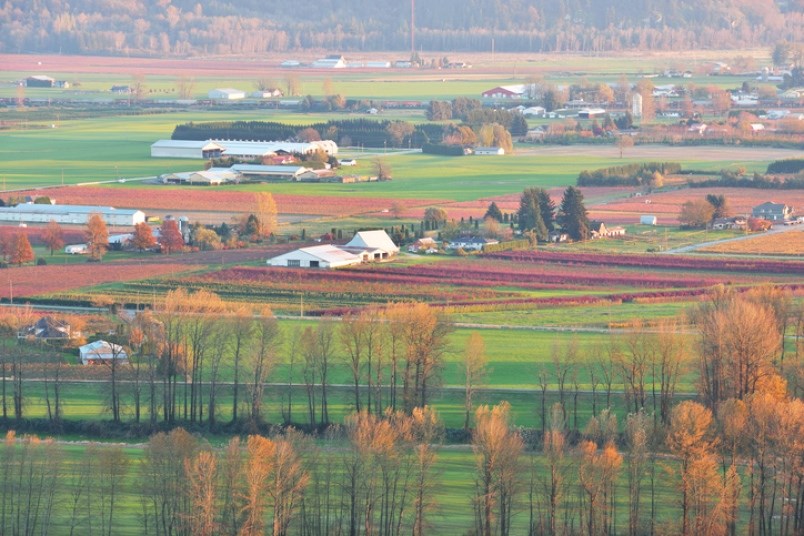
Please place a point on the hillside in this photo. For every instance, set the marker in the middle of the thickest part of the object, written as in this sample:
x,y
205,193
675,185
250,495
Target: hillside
x,y
189,27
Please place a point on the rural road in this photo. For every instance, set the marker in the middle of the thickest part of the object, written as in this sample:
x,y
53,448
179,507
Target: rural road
x,y
779,229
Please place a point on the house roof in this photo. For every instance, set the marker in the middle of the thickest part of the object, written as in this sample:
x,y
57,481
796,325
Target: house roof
x,y
188,144
256,169
377,239
771,205
48,327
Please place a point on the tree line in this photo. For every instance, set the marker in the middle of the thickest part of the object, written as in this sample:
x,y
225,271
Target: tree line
x,y
185,27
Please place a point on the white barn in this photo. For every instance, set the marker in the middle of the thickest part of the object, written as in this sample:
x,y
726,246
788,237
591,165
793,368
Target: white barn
x,y
377,243
78,214
226,93
186,149
323,256
100,352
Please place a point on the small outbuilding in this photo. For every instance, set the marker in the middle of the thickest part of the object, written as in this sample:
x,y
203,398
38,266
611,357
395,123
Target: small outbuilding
x,y
647,219
226,93
102,352
487,151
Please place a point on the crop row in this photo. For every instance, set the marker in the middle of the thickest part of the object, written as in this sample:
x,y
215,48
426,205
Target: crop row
x,y
198,199
677,262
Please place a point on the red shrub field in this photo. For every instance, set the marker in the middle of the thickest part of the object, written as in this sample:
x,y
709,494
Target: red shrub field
x,y
760,267
71,236
37,280
667,205
193,199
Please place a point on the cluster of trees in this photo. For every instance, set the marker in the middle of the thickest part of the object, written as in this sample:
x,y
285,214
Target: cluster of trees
x,y
365,132
649,174
699,213
473,113
189,28
538,216
737,179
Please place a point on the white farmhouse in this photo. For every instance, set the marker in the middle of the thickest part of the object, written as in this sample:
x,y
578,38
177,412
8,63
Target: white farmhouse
x,y
377,242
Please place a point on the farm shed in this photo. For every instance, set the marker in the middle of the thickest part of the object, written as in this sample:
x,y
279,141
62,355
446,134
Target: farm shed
x,y
226,93
378,242
647,219
323,256
78,214
40,81
186,149
100,352
333,61
485,151
267,173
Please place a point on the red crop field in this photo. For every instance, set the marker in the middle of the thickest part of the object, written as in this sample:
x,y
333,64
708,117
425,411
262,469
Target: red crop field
x,y
206,200
668,204
37,280
71,236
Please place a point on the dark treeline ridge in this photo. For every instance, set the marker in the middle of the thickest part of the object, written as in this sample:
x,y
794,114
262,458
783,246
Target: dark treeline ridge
x,y
762,182
365,132
626,175
790,165
188,27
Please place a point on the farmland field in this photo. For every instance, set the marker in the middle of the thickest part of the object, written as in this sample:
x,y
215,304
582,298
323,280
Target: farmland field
x,y
791,243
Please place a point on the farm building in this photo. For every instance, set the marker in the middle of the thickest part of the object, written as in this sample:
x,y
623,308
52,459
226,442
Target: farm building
x,y
426,244
78,214
471,243
773,211
268,173
377,242
534,111
333,61
599,230
226,93
365,246
591,113
76,249
186,149
48,328
647,219
271,93
244,150
102,352
485,151
40,81
518,91
323,256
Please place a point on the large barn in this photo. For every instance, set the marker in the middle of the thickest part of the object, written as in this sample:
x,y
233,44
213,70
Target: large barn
x,y
102,352
365,246
241,150
78,214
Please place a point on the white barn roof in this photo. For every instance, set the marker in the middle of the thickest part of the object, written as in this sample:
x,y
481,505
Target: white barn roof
x,y
31,212
377,239
323,256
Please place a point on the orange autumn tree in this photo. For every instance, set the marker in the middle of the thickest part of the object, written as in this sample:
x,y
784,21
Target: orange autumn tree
x,y
53,236
97,236
21,250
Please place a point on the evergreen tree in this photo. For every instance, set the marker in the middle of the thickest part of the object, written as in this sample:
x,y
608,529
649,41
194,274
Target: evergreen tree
x,y
572,215
494,212
529,215
547,209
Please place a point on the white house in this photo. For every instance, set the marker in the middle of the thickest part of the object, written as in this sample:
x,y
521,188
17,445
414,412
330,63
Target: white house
x,y
100,352
537,111
377,242
226,93
489,151
323,256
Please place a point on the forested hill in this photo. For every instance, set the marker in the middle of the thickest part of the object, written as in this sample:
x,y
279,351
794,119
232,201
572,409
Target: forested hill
x,y
184,27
